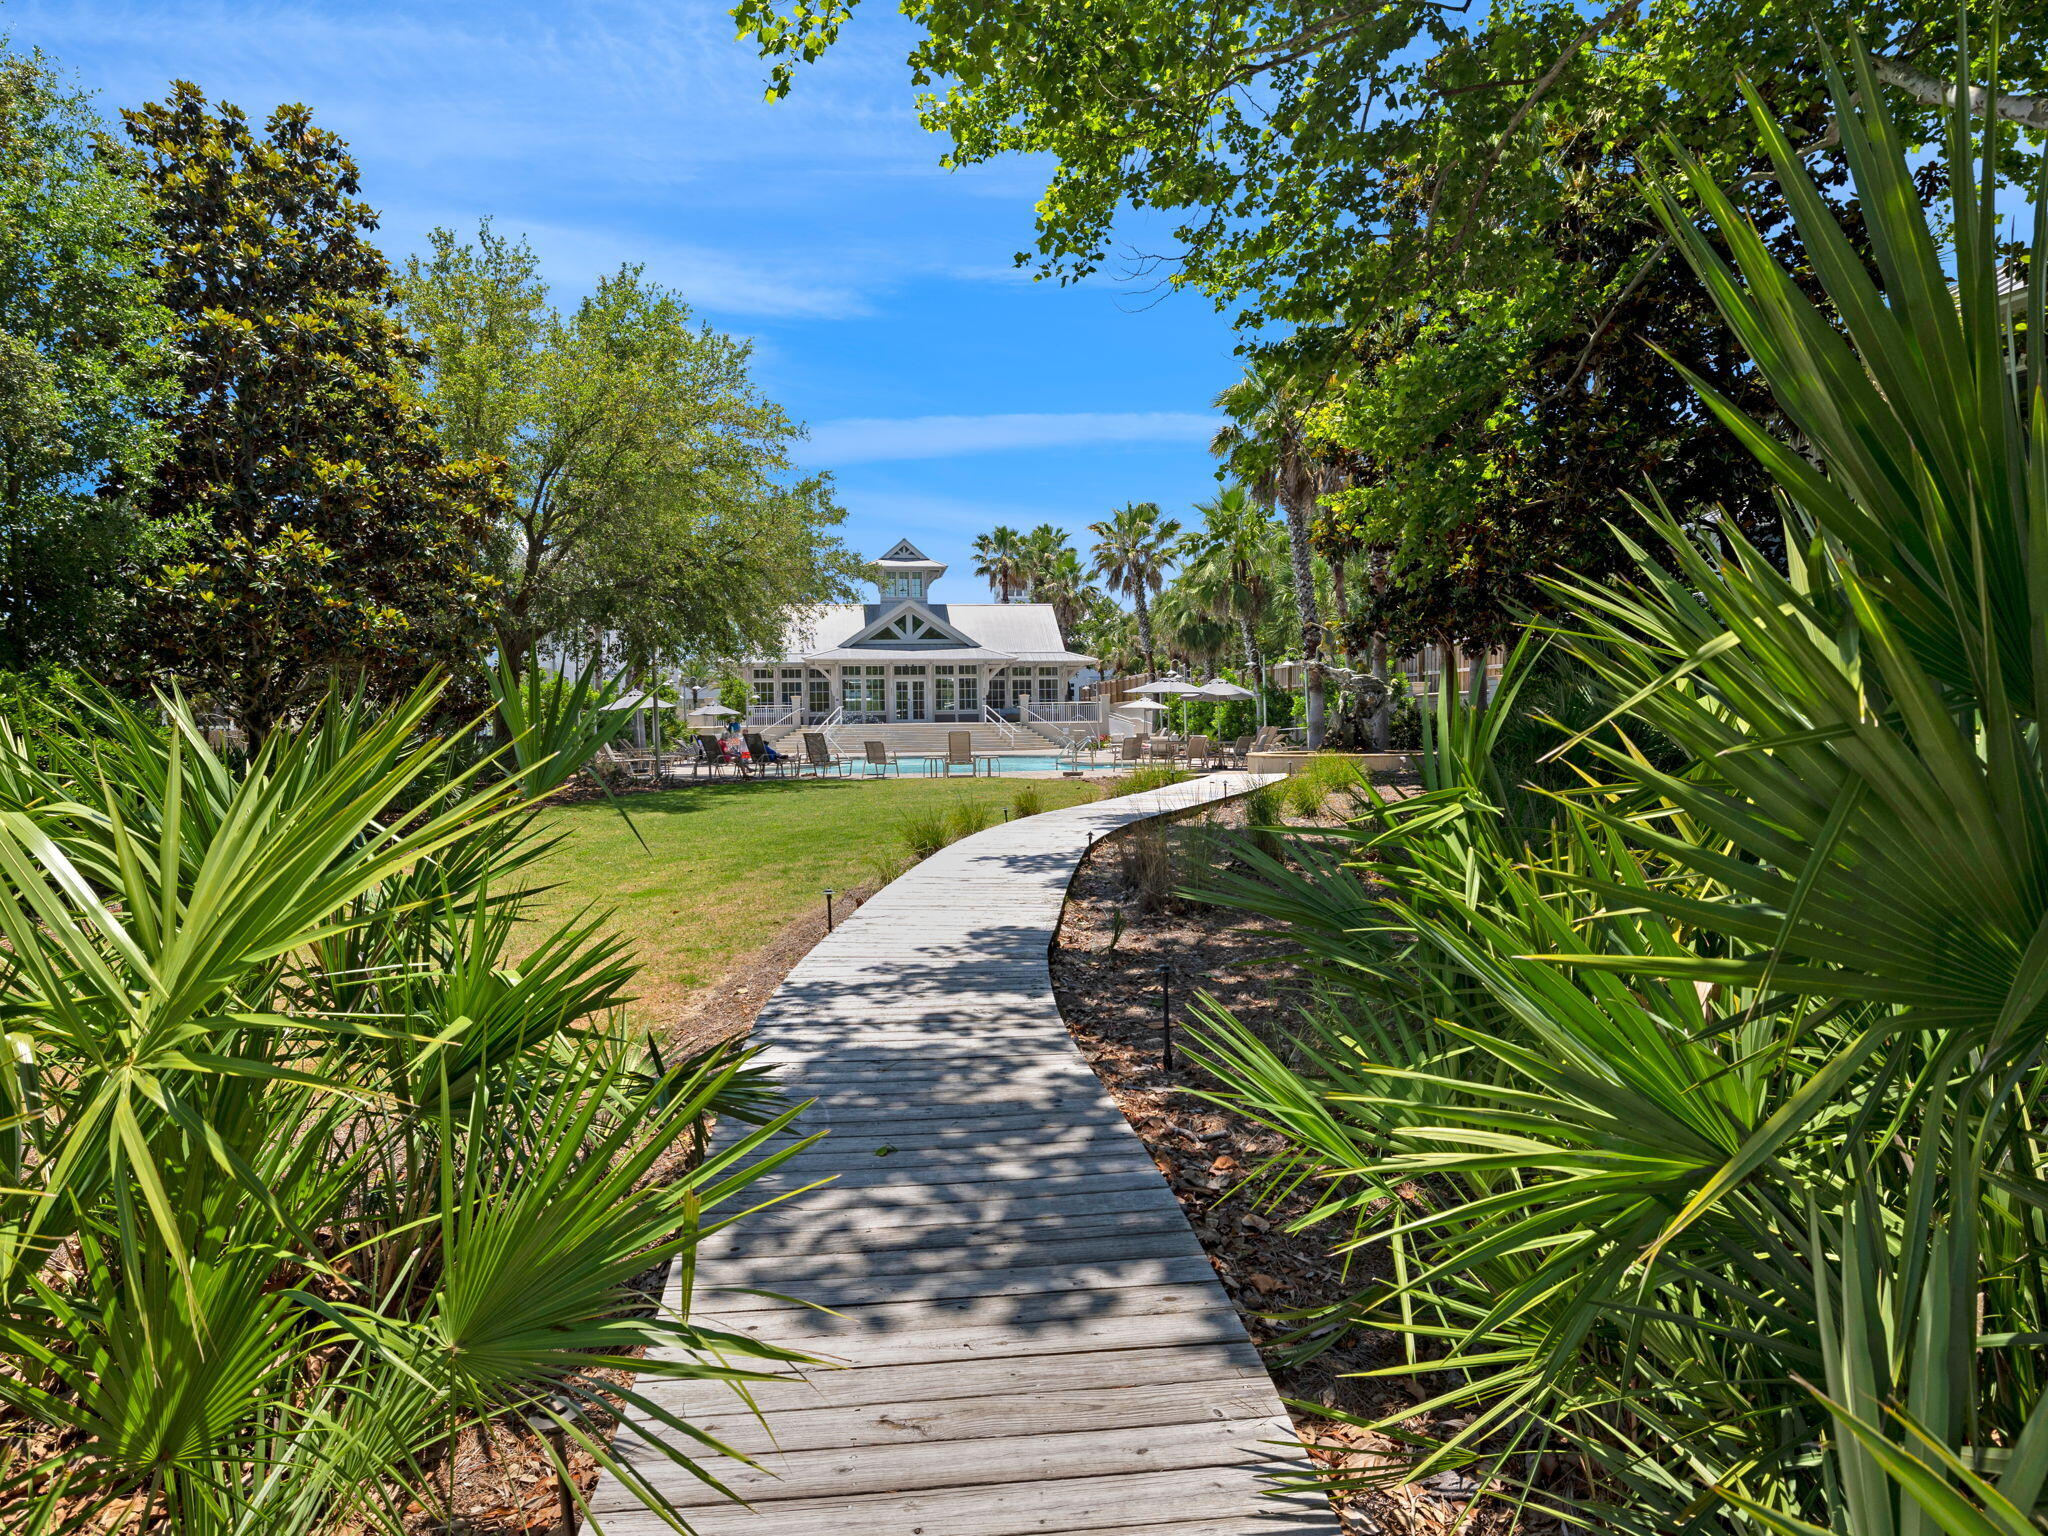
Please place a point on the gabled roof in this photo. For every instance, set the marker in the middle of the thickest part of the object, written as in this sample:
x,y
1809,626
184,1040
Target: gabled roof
x,y
903,552
996,633
908,622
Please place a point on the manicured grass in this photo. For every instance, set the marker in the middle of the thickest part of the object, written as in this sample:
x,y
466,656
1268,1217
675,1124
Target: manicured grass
x,y
726,866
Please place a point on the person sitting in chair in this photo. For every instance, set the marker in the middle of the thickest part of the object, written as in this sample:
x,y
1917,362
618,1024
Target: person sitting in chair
x,y
734,746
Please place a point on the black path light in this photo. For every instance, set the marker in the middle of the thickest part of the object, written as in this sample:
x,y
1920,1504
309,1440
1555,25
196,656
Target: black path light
x,y
546,1422
828,909
1166,1018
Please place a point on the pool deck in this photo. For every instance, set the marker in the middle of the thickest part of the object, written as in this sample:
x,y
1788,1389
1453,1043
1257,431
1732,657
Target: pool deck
x,y
1026,1336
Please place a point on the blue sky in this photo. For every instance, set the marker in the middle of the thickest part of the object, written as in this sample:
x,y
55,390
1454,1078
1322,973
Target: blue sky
x,y
946,390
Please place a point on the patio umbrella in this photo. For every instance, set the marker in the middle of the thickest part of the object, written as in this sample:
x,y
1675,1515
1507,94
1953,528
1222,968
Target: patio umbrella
x,y
1218,688
1166,686
711,712
1130,705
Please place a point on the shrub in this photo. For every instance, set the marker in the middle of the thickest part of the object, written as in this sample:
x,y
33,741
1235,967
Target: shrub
x,y
1710,1103
283,1117
1029,800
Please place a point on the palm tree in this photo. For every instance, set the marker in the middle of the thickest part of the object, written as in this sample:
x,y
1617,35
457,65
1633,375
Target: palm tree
x,y
1267,446
1132,549
1063,582
998,560
1190,631
1230,559
1038,552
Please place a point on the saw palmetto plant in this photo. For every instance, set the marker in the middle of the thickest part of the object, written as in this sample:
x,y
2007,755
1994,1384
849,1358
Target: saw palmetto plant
x,y
303,1176
1699,1118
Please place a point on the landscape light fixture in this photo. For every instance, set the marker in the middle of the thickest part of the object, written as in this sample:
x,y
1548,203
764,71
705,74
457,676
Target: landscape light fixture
x,y
546,1423
828,909
1166,1018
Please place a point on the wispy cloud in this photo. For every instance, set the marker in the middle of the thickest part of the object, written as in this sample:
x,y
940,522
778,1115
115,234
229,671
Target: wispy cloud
x,y
866,440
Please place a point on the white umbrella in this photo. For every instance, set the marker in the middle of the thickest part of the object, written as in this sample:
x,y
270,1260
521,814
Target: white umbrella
x,y
712,711
1132,705
1218,688
1167,686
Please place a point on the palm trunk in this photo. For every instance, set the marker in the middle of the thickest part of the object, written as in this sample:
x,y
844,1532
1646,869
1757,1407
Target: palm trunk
x,y
1311,620
1144,628
1250,637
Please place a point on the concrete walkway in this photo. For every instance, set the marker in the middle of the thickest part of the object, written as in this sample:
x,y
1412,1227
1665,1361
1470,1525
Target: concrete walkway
x,y
1032,1339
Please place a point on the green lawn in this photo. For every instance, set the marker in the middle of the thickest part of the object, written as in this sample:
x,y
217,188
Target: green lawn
x,y
726,865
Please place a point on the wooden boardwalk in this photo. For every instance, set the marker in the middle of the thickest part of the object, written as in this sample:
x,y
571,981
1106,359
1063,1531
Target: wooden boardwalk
x,y
1031,1338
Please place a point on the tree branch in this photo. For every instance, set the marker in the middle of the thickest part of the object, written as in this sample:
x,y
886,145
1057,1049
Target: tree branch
x,y
1933,91
1591,30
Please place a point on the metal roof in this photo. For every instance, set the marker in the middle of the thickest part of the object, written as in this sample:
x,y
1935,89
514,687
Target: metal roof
x,y
1000,631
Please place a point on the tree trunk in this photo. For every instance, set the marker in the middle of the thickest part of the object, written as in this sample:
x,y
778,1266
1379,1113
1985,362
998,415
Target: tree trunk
x,y
1144,629
1475,685
1250,637
1340,600
1383,717
1311,621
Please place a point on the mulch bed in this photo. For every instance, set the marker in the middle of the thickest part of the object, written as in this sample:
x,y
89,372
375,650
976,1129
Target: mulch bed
x,y
1107,962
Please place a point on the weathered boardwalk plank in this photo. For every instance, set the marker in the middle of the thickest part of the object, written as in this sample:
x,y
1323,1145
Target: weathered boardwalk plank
x,y
1025,1336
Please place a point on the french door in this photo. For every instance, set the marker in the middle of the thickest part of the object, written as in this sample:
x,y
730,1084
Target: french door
x,y
910,699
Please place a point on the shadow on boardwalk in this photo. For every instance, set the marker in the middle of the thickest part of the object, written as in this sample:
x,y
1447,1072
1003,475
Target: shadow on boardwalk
x,y
1029,1337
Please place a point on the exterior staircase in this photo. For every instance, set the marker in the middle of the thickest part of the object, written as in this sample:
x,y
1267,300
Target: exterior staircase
x,y
914,740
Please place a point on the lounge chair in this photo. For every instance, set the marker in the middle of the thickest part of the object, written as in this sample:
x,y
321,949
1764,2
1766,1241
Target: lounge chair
x,y
1133,750
1200,753
960,753
818,754
782,765
875,754
710,755
1238,751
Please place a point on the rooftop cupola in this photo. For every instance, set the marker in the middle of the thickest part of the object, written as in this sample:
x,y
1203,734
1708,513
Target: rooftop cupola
x,y
906,571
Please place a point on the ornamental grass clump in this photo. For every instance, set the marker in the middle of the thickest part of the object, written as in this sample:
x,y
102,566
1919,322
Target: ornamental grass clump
x,y
1307,790
305,1176
1697,1107
1149,776
925,831
968,818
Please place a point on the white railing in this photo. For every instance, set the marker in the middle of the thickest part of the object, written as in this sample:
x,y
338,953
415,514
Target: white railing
x,y
1060,712
1002,727
770,716
825,725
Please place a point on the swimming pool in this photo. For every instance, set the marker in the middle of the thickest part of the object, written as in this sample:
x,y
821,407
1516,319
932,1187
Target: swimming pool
x,y
1005,762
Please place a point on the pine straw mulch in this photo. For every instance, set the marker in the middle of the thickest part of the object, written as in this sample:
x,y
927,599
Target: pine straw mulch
x,y
1110,999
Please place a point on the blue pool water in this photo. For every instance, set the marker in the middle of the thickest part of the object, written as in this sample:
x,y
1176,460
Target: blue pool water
x,y
1005,762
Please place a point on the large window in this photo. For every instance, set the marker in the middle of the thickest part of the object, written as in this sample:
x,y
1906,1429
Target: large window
x,y
864,695
903,584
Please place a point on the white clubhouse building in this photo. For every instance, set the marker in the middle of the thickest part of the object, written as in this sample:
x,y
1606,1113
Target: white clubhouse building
x,y
905,658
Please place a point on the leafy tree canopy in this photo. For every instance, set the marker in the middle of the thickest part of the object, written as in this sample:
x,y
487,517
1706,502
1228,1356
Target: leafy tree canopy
x,y
1427,216
84,369
1324,157
330,529
654,495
